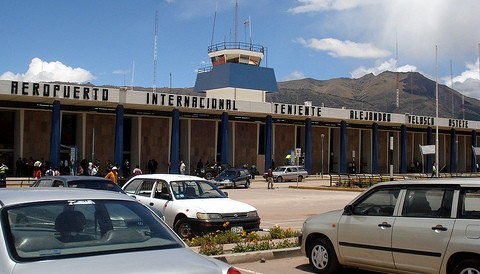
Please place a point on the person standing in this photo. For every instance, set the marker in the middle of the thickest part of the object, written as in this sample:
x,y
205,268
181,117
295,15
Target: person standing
x,y
270,178
113,175
137,171
3,174
182,168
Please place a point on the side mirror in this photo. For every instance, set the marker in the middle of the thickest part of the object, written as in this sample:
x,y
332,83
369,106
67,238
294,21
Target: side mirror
x,y
166,196
348,210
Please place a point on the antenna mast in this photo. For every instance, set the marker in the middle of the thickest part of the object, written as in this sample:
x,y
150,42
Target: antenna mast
x,y
397,99
155,52
236,22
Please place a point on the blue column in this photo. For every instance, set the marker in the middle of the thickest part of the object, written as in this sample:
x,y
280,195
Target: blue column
x,y
55,135
343,147
375,148
453,150
474,157
403,149
308,145
429,163
224,142
175,144
118,150
268,141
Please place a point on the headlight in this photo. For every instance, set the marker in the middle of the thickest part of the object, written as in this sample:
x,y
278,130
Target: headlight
x,y
208,216
252,214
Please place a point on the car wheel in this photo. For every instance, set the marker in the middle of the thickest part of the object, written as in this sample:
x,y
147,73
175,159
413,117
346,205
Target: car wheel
x,y
300,178
279,179
247,184
183,228
322,257
208,176
469,266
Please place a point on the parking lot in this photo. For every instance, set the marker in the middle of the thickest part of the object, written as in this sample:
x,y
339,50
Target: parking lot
x,y
288,208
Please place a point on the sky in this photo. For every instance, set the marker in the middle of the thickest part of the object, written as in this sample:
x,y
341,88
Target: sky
x,y
112,42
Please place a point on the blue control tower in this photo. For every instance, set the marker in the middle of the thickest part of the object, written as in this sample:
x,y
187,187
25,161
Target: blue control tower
x,y
236,73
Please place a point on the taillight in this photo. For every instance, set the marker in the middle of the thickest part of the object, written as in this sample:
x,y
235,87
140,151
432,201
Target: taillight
x,y
233,270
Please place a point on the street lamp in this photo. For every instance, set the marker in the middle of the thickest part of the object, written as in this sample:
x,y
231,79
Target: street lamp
x,y
323,136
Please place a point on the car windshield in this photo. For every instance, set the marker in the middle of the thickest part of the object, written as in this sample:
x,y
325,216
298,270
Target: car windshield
x,y
195,190
228,173
46,230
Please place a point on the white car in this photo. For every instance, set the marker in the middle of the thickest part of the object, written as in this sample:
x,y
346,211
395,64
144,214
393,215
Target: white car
x,y
422,226
67,230
192,205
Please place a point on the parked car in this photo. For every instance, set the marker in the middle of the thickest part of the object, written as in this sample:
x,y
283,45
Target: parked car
x,y
64,230
288,173
233,177
210,171
90,182
422,226
192,205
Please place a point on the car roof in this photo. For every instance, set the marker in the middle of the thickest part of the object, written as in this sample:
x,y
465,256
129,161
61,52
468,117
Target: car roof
x,y
469,181
68,178
11,196
169,177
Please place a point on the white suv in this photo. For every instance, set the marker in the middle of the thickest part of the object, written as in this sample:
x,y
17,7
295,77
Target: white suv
x,y
422,226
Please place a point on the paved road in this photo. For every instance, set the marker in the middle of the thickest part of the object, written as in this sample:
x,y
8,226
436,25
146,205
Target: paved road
x,y
288,208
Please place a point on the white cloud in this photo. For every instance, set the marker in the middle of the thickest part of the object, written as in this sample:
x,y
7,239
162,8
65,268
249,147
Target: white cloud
x,y
390,65
294,75
40,71
467,82
306,6
337,48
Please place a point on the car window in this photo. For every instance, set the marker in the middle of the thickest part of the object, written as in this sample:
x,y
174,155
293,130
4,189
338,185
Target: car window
x,y
429,202
195,190
470,204
140,187
378,203
162,190
44,183
47,230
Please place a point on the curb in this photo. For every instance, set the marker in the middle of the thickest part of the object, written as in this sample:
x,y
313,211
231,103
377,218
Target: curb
x,y
248,257
329,188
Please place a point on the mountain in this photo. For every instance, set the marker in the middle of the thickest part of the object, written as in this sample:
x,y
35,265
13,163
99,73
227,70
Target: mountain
x,y
376,93
379,93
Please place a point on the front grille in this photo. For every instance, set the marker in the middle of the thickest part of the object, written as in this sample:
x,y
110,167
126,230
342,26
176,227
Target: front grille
x,y
235,215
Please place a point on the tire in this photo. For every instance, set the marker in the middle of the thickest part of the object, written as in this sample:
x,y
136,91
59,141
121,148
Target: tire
x,y
279,179
247,184
322,257
208,176
468,266
300,178
183,228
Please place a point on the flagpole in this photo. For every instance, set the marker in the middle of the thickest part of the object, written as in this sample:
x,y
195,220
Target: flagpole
x,y
436,113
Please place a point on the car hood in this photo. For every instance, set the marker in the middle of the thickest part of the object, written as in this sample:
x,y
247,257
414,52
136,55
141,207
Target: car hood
x,y
178,260
222,177
216,205
327,217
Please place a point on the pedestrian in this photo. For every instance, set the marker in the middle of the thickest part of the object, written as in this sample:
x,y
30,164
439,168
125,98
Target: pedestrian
x,y
270,178
3,174
137,171
37,169
182,168
113,175
434,170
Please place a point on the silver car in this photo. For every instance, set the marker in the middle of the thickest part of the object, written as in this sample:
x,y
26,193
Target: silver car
x,y
288,173
424,226
52,230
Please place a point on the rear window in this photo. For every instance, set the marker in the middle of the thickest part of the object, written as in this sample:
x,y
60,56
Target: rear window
x,y
50,230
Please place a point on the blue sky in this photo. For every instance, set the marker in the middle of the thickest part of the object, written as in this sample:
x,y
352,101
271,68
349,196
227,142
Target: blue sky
x,y
111,42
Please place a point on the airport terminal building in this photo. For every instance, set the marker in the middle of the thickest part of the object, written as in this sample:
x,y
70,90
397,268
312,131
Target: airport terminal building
x,y
229,121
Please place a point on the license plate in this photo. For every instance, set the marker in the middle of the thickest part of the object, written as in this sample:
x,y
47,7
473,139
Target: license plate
x,y
237,229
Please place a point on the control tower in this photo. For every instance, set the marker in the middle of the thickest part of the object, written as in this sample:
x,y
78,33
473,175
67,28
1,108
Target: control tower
x,y
236,73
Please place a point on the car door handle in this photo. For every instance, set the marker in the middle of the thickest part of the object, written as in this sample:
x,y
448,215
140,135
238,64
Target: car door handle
x,y
384,225
439,228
